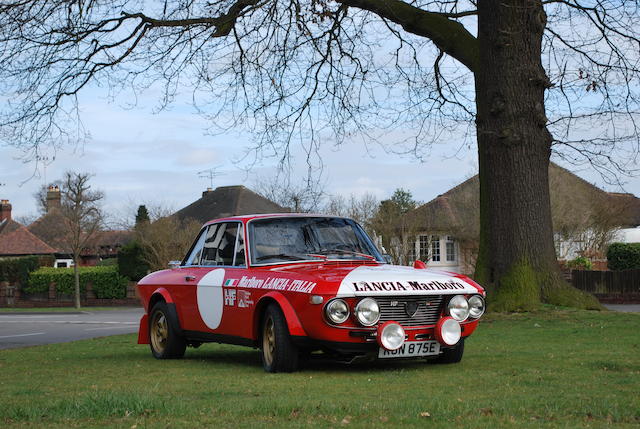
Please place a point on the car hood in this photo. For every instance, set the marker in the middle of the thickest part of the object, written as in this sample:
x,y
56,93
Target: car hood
x,y
367,280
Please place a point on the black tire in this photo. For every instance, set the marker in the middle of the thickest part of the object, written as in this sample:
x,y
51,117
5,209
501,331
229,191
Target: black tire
x,y
164,341
451,354
279,354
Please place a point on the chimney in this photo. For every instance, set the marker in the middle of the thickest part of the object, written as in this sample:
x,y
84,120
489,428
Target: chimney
x,y
207,192
5,210
53,197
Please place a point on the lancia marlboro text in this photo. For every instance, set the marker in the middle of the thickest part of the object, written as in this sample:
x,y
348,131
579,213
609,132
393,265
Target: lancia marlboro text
x,y
406,286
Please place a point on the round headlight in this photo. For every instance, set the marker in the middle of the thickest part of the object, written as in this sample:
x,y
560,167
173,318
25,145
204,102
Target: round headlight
x,y
391,336
367,312
337,311
459,308
476,306
448,331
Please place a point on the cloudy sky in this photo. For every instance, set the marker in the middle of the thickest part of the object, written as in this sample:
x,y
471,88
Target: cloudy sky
x,y
142,157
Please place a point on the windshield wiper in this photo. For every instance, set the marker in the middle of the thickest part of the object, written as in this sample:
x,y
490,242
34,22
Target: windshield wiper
x,y
347,252
279,256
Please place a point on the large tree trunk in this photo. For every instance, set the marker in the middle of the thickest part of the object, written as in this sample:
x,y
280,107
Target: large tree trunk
x,y
516,258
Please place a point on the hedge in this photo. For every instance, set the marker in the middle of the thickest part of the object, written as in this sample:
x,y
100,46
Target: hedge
x,y
580,263
131,263
16,270
623,256
107,283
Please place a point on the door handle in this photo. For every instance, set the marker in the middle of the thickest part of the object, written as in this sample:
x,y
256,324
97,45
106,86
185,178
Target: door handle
x,y
189,278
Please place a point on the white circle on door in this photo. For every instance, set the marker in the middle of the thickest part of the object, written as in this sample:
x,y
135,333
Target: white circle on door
x,y
210,301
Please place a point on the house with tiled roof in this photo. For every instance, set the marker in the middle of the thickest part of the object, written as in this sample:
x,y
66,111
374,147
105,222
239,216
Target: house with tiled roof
x,y
16,239
50,229
227,201
449,225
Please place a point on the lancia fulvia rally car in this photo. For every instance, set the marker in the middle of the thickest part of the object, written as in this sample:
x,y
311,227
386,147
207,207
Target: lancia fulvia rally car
x,y
294,285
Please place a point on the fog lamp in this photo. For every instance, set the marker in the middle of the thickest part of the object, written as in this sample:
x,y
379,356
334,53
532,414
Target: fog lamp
x,y
448,331
390,335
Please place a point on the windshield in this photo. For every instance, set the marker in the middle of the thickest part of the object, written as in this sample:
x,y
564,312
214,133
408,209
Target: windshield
x,y
309,238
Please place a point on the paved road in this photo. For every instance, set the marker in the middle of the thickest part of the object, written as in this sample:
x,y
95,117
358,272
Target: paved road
x,y
30,329
625,308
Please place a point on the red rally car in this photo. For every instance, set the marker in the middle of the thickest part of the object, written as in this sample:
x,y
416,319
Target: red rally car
x,y
294,284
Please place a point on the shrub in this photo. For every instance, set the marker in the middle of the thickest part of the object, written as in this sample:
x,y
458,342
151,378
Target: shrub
x,y
16,270
580,263
623,256
106,281
109,262
131,263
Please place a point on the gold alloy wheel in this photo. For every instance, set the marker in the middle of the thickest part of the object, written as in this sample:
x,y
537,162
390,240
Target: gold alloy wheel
x,y
268,341
159,332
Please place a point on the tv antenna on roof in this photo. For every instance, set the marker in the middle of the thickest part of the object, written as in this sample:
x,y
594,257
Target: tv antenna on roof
x,y
45,161
209,174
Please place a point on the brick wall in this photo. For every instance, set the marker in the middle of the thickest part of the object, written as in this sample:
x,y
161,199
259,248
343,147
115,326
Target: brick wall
x,y
10,296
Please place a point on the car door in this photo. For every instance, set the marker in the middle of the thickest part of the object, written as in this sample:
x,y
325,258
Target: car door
x,y
185,291
223,258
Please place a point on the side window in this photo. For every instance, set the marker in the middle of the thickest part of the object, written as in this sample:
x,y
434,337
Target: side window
x,y
220,244
196,251
240,252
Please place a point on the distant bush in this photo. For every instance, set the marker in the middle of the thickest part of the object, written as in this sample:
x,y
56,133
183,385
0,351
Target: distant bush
x,y
580,263
623,256
16,270
107,283
109,262
131,263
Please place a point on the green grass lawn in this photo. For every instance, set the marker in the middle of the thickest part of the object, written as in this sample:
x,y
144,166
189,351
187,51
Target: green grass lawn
x,y
548,369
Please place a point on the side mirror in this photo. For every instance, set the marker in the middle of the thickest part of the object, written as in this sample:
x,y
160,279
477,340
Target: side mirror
x,y
174,264
387,258
419,264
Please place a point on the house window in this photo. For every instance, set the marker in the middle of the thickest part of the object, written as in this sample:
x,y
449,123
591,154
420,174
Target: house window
x,y
424,247
435,248
451,249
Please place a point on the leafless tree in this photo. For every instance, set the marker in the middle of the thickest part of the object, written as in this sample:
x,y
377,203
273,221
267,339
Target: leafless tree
x,y
301,196
537,76
165,239
82,218
589,231
361,208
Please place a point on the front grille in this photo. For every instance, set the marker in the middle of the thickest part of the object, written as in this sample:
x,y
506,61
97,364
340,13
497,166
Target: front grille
x,y
395,308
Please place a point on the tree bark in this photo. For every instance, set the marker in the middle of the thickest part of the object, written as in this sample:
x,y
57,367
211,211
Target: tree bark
x,y
76,276
516,258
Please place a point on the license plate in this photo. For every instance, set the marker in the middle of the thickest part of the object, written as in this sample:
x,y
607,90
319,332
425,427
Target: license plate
x,y
412,349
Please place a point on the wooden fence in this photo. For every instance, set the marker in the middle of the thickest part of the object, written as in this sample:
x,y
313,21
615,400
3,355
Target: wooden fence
x,y
609,286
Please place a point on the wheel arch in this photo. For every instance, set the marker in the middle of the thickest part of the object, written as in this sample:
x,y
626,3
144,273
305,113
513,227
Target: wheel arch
x,y
163,295
293,322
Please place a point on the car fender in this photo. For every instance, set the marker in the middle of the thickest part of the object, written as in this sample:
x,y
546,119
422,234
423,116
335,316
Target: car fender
x,y
293,322
171,309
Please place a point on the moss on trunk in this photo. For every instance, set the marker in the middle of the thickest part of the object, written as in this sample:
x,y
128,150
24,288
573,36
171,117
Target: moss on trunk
x,y
524,288
519,290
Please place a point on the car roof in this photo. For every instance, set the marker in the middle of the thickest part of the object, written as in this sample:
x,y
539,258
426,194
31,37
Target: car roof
x,y
248,217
